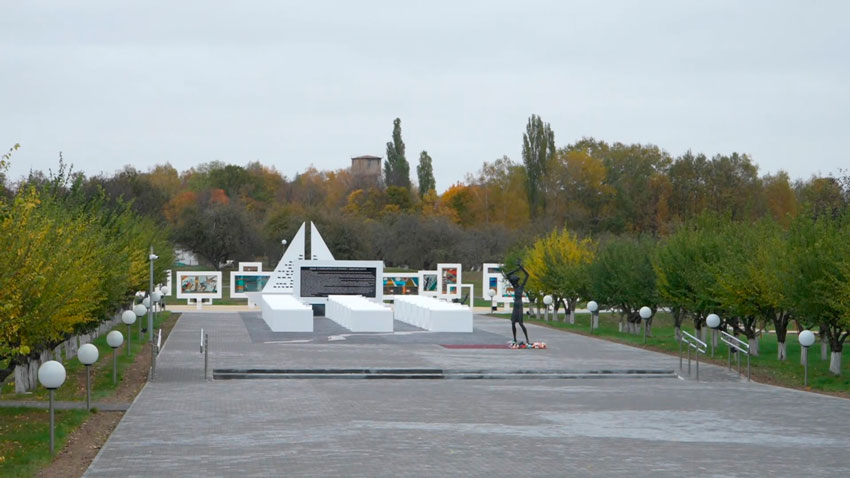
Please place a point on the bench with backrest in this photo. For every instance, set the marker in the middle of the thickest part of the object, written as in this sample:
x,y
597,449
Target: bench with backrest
x,y
359,314
433,314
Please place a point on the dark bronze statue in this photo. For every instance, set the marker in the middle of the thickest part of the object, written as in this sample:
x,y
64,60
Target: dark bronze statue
x,y
519,290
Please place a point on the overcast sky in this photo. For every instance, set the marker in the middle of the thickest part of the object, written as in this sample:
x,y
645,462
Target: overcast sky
x,y
297,83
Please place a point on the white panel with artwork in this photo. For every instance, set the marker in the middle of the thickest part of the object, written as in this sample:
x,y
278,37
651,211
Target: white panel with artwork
x,y
242,283
199,286
447,275
400,283
428,283
250,267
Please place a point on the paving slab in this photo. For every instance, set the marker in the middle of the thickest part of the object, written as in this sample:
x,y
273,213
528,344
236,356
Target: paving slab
x,y
184,425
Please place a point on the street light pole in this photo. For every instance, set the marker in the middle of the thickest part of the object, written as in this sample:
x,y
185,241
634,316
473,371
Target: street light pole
x,y
152,258
51,375
645,314
806,338
88,355
114,339
713,321
593,307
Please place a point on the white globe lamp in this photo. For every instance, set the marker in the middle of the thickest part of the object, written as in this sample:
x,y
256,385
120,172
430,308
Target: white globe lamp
x,y
51,375
87,355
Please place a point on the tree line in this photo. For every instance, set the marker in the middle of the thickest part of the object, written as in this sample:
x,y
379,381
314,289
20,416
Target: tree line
x,y
753,274
70,261
227,212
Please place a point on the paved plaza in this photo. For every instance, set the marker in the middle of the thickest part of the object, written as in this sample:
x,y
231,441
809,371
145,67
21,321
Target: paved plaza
x,y
639,425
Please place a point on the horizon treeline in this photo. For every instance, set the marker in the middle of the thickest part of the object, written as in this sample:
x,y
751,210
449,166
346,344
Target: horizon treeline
x,y
226,212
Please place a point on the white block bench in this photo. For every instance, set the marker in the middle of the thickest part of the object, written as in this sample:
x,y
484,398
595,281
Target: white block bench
x,y
285,313
359,314
432,314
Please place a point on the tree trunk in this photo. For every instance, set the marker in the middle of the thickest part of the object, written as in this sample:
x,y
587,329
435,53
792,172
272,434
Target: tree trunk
x,y
823,347
677,333
781,353
754,346
572,306
835,363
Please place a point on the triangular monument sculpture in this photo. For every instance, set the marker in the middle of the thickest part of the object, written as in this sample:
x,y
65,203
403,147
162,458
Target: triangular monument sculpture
x,y
282,280
318,249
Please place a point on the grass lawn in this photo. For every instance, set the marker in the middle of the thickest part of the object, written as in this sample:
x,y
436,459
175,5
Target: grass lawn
x,y
765,367
25,433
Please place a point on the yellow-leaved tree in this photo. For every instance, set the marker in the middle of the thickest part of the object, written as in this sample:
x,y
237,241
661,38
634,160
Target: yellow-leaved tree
x,y
557,264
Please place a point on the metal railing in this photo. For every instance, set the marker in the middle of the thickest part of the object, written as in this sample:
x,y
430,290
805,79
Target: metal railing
x,y
205,349
692,342
740,347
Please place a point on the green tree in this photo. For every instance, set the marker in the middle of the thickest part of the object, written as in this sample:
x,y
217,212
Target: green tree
x,y
749,278
396,168
425,173
622,276
817,282
682,265
538,149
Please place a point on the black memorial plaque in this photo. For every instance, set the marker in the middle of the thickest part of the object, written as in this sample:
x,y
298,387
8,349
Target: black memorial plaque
x,y
318,281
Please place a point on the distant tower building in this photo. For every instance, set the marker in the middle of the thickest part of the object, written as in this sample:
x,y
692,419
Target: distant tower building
x,y
366,171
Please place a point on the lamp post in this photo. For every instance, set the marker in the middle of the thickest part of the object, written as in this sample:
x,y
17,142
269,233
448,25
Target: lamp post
x,y
492,294
645,313
128,317
547,301
152,258
593,307
140,310
51,375
806,338
713,321
87,355
114,339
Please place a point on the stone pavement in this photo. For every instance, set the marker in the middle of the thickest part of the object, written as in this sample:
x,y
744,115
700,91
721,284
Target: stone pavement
x,y
182,425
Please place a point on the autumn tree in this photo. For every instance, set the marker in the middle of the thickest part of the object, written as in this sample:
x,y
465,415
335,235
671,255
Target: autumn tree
x,y
396,167
538,148
578,193
558,264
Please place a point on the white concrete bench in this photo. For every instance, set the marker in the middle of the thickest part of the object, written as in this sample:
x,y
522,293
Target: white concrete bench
x,y
285,313
432,314
359,314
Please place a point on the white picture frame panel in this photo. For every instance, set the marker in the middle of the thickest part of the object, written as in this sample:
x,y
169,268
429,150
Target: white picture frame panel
x,y
491,278
426,278
443,272
185,276
400,275
168,284
251,267
243,295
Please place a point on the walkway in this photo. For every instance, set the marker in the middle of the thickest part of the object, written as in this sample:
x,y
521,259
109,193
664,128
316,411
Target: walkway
x,y
182,425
